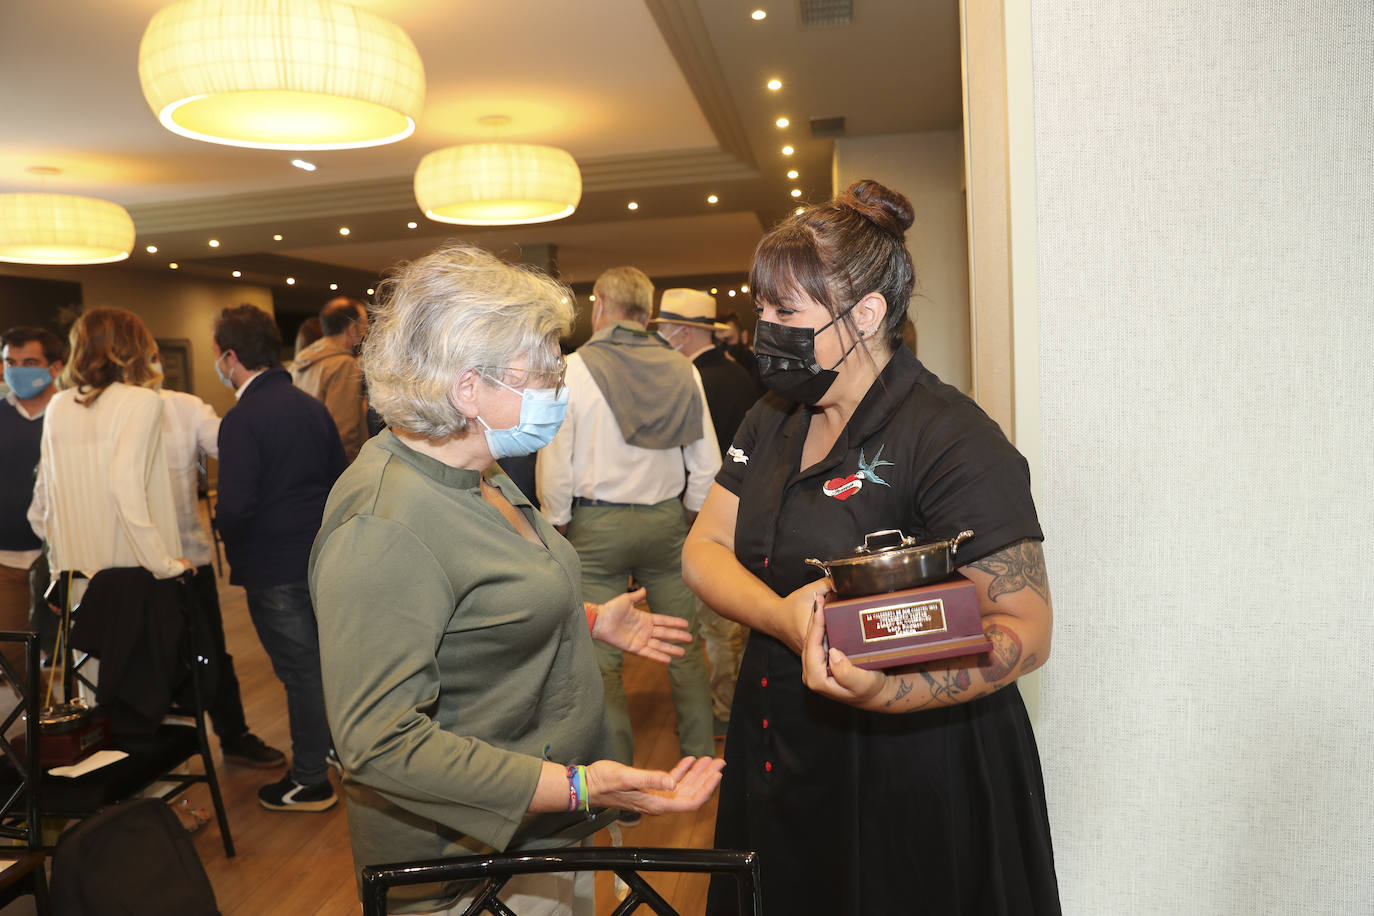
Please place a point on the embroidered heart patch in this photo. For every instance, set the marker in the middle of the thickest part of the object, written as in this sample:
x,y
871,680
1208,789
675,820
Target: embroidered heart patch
x,y
843,487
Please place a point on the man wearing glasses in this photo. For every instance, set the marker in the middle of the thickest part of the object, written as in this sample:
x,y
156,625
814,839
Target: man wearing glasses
x,y
624,478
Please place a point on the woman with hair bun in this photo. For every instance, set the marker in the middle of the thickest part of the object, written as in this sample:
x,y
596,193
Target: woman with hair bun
x,y
910,790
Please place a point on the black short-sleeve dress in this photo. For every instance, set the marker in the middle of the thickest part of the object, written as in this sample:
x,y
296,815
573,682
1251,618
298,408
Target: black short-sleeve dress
x,y
940,811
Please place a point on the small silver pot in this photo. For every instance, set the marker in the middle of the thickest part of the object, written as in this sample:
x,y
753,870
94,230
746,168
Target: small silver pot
x,y
890,561
64,717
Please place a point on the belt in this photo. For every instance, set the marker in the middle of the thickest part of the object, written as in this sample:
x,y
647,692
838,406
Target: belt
x,y
585,501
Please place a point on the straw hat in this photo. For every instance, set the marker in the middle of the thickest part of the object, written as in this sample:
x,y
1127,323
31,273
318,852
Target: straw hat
x,y
691,307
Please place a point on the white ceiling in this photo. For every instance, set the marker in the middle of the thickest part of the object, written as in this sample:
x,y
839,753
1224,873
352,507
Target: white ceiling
x,y
660,101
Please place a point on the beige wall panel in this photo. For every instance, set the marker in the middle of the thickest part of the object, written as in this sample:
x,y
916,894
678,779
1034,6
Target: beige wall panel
x,y
928,168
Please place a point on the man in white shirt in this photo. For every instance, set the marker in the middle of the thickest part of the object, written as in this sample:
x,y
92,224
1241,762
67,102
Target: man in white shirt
x,y
190,427
33,360
637,434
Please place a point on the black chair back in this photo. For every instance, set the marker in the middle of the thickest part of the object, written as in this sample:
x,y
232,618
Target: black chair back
x,y
154,757
626,862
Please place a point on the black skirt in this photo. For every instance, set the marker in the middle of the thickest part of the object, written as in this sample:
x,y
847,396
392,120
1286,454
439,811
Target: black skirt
x,y
940,811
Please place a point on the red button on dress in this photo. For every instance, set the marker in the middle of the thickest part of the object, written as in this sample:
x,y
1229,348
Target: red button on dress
x,y
763,682
768,766
765,723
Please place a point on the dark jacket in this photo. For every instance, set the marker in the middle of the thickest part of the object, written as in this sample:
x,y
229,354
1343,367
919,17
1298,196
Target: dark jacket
x,y
730,392
137,626
19,453
279,455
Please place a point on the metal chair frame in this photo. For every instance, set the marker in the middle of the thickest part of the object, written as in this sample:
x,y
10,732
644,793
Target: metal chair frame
x,y
197,712
626,862
27,876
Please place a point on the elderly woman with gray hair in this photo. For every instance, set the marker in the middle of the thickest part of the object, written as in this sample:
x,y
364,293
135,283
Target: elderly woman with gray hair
x,y
461,685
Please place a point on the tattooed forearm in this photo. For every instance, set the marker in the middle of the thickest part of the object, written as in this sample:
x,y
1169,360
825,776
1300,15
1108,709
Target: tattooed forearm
x,y
1020,566
946,686
903,688
1004,656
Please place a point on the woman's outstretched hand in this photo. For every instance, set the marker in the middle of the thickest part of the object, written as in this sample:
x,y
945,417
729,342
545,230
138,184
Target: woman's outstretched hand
x,y
686,788
829,672
619,623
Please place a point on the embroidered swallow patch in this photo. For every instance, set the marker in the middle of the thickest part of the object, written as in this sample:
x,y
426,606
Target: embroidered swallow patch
x,y
737,455
842,488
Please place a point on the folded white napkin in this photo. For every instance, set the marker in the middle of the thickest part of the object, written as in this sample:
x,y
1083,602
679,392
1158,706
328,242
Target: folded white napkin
x,y
94,762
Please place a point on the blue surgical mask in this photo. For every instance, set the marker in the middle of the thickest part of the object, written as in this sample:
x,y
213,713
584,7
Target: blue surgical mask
x,y
27,381
541,414
222,377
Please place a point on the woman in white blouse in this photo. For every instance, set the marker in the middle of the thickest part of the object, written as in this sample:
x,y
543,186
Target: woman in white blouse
x,y
103,498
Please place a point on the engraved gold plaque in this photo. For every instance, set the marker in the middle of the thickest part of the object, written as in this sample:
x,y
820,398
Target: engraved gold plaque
x,y
910,626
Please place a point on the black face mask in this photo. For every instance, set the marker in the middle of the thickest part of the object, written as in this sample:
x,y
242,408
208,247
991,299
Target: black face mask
x,y
786,357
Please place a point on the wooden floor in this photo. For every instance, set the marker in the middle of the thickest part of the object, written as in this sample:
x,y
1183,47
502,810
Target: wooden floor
x,y
299,863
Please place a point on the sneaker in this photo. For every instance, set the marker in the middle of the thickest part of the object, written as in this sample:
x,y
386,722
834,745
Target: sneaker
x,y
289,795
629,818
251,751
335,764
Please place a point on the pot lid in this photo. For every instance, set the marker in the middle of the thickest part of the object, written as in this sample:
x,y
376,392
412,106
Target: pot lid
x,y
891,542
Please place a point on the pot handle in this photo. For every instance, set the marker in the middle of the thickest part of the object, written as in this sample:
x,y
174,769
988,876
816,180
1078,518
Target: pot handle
x,y
819,565
958,539
893,537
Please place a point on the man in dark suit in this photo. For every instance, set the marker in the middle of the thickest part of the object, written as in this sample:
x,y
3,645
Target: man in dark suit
x,y
279,454
687,320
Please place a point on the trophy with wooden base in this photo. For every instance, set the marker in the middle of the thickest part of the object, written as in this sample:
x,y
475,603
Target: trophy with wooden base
x,y
902,604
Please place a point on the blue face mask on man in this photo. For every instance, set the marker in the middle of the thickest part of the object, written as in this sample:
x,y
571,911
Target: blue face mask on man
x,y
541,414
225,379
27,381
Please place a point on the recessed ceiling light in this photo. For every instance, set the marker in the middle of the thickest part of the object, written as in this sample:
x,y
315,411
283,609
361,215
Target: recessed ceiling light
x,y
333,286
238,273
787,151
714,290
632,205
290,281
744,287
774,85
713,199
793,174
213,243
782,122
412,225
152,249
591,297
174,265
796,192
277,237
730,293
370,290
758,15
344,230
303,165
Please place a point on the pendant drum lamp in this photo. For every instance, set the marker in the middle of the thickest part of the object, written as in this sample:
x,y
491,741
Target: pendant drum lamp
x,y
40,228
498,184
281,74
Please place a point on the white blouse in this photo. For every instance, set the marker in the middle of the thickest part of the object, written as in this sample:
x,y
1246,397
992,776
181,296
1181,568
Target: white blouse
x,y
103,498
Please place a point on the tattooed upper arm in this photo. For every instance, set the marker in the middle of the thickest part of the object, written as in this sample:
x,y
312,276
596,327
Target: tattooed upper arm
x,y
1015,568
